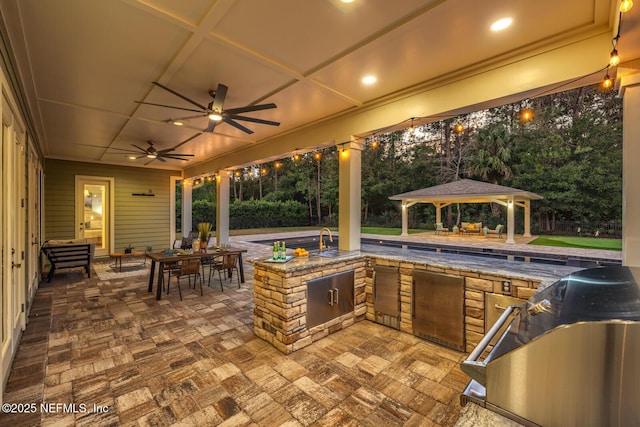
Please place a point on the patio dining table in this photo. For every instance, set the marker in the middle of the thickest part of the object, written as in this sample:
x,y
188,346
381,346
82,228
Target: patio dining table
x,y
162,258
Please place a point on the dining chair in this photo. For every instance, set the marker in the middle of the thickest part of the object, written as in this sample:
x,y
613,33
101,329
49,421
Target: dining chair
x,y
229,263
210,261
188,267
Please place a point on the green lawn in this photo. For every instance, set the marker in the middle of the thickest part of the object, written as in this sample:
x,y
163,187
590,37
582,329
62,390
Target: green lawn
x,y
387,231
579,242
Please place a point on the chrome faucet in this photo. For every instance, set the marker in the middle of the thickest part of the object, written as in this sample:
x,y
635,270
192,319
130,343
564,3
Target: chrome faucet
x,y
322,245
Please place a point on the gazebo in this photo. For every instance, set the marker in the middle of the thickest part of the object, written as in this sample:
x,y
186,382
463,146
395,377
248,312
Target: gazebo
x,y
471,191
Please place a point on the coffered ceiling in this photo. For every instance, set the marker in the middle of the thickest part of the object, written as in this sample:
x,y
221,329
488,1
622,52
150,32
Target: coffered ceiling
x,y
84,63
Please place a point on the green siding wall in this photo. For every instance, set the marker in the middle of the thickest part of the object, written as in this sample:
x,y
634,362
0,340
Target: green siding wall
x,y
143,221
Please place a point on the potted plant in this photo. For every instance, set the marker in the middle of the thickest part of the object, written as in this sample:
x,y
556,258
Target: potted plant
x,y
204,232
129,248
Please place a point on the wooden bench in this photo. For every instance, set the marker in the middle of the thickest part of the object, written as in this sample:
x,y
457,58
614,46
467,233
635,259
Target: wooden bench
x,y
68,255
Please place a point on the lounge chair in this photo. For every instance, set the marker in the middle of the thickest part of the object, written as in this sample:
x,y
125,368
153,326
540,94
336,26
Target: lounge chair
x,y
497,230
440,228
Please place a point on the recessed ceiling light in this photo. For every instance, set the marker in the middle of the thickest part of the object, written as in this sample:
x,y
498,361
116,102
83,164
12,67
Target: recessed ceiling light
x,y
501,24
369,80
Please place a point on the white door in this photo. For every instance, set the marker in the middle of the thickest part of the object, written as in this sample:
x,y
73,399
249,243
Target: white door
x,y
34,194
13,237
94,212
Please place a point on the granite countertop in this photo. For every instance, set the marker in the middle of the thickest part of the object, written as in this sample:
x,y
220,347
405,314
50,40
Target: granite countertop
x,y
545,273
307,262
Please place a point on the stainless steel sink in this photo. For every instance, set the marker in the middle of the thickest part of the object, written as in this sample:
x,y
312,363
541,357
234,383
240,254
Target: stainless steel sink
x,y
334,253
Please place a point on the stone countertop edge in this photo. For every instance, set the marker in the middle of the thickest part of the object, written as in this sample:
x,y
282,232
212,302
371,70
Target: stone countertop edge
x,y
544,273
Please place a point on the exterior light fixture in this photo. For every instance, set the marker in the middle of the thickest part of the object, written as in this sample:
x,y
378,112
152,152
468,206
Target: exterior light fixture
x,y
626,5
278,165
237,174
215,115
317,156
501,24
263,171
375,143
459,128
296,157
614,59
369,80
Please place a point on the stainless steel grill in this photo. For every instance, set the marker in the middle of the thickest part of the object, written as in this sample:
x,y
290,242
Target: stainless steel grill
x,y
569,357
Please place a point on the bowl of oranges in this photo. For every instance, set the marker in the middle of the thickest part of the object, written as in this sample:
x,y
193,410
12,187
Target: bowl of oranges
x,y
300,252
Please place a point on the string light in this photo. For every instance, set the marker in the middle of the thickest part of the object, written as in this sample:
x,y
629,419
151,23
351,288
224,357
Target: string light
x,y
607,83
526,115
626,5
296,157
614,59
459,128
317,156
374,143
277,165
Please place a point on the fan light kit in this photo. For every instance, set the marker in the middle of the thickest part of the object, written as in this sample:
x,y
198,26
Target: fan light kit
x,y
215,111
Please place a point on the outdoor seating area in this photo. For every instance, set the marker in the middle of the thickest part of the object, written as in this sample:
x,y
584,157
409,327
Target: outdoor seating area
x,y
471,228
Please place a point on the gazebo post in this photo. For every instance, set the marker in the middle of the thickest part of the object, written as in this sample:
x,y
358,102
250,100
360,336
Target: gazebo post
x,y
527,218
405,219
510,220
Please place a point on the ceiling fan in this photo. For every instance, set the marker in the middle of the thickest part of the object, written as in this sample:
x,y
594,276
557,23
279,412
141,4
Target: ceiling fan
x,y
151,153
215,112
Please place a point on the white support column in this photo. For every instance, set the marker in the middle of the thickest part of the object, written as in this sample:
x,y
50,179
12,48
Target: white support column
x,y
349,195
510,220
186,207
630,91
222,207
405,219
527,218
438,211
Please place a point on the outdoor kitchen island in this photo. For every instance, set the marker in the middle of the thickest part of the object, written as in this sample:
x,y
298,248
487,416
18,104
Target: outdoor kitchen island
x,y
283,311
280,293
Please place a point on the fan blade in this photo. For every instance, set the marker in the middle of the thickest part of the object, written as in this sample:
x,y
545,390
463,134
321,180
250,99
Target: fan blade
x,y
140,148
177,155
161,159
175,158
166,106
190,117
252,119
237,125
166,150
218,101
180,95
211,126
249,108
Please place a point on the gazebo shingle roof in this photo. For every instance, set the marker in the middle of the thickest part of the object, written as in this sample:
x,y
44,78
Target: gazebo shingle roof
x,y
465,189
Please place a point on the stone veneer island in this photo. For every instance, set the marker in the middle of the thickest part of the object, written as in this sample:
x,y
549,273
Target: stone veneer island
x,y
280,294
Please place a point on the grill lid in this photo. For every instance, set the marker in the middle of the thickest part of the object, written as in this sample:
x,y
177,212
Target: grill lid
x,y
597,294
